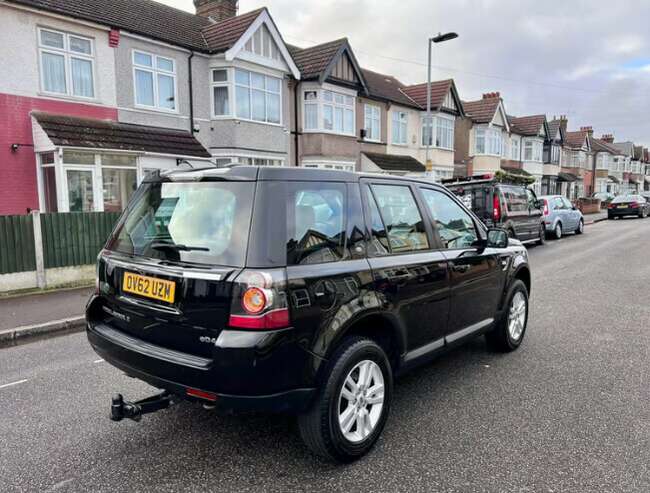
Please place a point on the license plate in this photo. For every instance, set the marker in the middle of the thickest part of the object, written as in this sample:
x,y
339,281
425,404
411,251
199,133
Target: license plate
x,y
149,287
622,206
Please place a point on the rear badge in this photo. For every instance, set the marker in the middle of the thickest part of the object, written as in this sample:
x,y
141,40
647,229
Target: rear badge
x,y
118,315
208,340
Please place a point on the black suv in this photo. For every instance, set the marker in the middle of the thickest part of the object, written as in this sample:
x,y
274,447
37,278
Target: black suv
x,y
299,291
499,204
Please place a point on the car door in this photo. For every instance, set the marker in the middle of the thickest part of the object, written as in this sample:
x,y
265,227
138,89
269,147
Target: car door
x,y
572,214
517,205
534,214
410,273
477,275
560,212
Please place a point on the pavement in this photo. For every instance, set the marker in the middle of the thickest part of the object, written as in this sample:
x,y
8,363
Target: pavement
x,y
568,411
594,218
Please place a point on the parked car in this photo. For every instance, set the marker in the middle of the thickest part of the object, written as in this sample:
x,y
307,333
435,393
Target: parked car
x,y
628,205
603,196
299,291
510,206
560,216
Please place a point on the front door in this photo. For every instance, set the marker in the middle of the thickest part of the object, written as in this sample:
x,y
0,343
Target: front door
x,y
477,276
534,214
410,275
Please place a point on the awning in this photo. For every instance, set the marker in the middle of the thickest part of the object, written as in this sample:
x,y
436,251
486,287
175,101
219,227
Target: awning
x,y
72,131
614,179
566,177
395,163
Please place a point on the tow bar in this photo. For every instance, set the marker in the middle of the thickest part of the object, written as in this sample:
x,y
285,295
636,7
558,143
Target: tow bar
x,y
134,410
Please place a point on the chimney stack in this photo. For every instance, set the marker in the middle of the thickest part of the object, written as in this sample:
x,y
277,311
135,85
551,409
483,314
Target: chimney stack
x,y
217,10
589,130
564,123
490,95
609,138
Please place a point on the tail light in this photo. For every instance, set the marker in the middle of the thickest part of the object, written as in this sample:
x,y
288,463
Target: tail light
x,y
610,206
260,301
496,208
545,207
634,205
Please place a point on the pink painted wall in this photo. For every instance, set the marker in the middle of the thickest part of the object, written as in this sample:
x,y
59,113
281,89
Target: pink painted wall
x,y
18,186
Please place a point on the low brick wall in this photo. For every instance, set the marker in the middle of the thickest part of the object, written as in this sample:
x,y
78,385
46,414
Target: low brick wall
x,y
589,206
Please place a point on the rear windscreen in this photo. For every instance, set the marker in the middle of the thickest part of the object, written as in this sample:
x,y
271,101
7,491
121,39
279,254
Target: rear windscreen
x,y
477,198
197,222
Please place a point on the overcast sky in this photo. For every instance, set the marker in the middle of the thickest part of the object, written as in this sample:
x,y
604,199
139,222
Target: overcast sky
x,y
587,59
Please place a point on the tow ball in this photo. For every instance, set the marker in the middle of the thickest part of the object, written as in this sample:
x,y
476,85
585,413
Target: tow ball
x,y
121,409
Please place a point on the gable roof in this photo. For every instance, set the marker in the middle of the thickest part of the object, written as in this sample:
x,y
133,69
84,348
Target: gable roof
x,y
526,125
145,17
387,87
92,133
223,35
439,91
626,148
576,140
554,126
482,110
393,162
317,62
598,145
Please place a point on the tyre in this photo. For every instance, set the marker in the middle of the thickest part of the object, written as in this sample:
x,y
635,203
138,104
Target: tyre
x,y
557,232
581,227
542,235
353,403
509,332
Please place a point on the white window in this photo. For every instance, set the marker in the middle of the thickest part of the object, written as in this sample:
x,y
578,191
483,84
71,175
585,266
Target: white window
x,y
255,161
444,133
336,166
154,81
488,141
329,111
533,150
67,64
514,150
257,97
400,127
372,122
220,93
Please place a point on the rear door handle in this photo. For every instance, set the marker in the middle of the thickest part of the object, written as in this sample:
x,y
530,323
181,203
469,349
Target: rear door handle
x,y
462,268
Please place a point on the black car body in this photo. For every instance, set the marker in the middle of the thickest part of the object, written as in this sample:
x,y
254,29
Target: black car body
x,y
628,205
499,204
243,286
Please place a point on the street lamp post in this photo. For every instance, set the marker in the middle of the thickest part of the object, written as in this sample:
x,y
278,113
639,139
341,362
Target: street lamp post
x,y
440,38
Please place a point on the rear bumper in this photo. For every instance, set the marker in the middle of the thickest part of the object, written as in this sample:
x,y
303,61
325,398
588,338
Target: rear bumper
x,y
623,212
176,372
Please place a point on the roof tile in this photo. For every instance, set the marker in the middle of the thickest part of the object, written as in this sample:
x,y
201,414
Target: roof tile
x,y
393,162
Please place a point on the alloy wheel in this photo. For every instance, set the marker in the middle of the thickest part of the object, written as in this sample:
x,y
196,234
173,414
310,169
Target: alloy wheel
x,y
558,231
361,401
517,316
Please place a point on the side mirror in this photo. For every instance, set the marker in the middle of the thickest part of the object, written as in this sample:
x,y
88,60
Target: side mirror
x,y
497,238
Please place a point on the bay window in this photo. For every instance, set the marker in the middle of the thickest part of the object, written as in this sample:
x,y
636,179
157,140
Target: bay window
x,y
372,122
329,111
67,64
514,150
400,127
154,81
443,128
533,150
488,141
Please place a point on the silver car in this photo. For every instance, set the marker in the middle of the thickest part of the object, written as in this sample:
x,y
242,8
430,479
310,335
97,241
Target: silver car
x,y
561,217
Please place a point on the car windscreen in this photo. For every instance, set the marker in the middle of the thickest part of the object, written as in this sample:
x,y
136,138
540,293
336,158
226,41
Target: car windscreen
x,y
195,222
625,198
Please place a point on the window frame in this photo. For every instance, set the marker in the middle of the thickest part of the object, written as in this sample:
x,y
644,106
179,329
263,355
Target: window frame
x,y
67,55
398,121
228,85
490,136
374,108
320,104
233,85
154,71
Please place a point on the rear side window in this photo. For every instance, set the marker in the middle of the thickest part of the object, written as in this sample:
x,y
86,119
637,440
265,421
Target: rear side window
x,y
516,199
558,204
315,223
401,218
379,239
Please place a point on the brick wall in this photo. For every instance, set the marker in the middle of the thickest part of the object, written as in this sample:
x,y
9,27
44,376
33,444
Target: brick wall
x,y
18,186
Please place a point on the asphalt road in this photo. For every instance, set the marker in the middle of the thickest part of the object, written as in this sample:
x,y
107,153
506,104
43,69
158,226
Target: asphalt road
x,y
569,411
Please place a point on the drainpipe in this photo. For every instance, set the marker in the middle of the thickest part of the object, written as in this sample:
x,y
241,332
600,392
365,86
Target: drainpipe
x,y
295,117
189,68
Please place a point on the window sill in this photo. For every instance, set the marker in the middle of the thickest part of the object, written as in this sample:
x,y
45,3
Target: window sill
x,y
154,109
68,97
328,132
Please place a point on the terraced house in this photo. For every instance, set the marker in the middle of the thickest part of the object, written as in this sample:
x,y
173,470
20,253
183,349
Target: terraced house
x,y
528,135
106,91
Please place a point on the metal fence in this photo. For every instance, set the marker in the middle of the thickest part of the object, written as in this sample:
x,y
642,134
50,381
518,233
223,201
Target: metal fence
x,y
62,240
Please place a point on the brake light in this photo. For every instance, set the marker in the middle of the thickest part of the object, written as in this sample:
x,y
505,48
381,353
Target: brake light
x,y
260,301
496,208
545,207
610,206
634,205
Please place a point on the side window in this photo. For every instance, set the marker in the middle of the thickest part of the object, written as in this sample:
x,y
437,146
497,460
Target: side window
x,y
455,226
400,214
379,239
531,200
558,204
316,223
516,199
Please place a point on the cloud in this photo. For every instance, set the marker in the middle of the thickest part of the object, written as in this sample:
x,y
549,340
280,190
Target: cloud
x,y
555,57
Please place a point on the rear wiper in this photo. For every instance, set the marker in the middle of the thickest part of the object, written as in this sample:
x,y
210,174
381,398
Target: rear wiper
x,y
178,248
